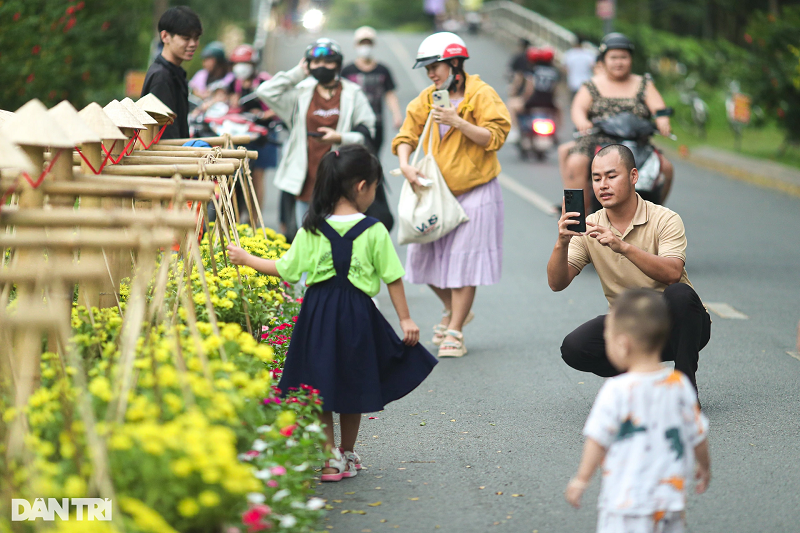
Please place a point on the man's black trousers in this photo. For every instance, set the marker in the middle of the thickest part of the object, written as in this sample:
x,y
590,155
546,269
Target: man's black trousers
x,y
585,349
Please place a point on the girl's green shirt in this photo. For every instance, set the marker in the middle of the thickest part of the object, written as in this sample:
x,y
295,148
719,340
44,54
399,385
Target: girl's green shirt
x,y
374,257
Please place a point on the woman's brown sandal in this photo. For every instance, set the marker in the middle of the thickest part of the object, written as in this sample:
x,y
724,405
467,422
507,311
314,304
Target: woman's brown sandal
x,y
454,348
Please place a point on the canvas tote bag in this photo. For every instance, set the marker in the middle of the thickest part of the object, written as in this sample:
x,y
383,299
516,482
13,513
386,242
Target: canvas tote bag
x,y
432,211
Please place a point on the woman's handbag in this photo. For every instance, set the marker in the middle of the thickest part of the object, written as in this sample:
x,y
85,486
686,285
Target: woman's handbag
x,y
430,212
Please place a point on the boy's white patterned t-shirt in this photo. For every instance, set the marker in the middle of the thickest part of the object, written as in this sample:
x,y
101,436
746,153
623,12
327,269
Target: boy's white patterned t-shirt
x,y
649,423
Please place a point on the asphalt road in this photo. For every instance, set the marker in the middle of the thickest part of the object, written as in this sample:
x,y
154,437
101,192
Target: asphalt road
x,y
489,441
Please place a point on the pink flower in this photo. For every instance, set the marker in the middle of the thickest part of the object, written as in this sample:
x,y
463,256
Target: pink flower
x,y
294,319
288,430
251,454
16,16
277,470
254,518
272,483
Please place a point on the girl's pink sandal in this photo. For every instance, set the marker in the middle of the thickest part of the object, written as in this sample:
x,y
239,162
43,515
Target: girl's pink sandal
x,y
339,463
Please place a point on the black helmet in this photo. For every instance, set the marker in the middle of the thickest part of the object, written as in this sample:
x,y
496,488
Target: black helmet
x,y
324,48
615,41
214,49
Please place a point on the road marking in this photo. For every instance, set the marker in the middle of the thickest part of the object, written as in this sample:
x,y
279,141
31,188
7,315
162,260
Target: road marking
x,y
419,81
796,355
726,311
535,199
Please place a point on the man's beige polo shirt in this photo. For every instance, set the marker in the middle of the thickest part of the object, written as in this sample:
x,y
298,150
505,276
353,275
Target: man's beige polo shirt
x,y
654,229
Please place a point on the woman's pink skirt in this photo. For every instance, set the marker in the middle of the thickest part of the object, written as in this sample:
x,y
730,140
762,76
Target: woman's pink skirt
x,y
470,255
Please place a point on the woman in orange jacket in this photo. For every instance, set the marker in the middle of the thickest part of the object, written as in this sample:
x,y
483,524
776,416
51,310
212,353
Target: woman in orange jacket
x,y
465,145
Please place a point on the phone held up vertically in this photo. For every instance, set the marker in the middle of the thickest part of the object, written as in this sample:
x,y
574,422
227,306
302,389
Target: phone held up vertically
x,y
441,98
573,203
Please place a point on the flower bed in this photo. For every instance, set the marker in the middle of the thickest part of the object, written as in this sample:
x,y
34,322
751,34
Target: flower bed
x,y
205,442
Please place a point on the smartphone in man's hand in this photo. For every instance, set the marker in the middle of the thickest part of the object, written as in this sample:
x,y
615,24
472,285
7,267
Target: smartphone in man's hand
x,y
315,134
573,203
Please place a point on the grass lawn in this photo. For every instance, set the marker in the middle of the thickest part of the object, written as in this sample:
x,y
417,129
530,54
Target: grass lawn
x,y
761,142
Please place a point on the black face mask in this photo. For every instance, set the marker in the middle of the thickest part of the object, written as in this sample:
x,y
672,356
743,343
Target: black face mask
x,y
324,75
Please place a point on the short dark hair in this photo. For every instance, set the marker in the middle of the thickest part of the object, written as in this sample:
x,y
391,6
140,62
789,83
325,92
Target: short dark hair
x,y
643,314
625,155
180,20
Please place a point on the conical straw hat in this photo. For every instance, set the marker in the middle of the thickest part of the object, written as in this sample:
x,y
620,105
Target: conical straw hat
x,y
155,107
4,116
67,117
94,117
32,126
13,157
138,112
121,117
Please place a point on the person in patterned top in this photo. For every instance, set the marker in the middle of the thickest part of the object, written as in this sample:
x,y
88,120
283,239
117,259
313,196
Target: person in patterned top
x,y
645,427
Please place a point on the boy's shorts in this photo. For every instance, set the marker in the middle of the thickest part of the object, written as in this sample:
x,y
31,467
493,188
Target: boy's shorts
x,y
670,522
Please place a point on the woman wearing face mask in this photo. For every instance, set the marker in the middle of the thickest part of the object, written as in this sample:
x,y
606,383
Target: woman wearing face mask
x,y
376,81
246,80
466,137
322,112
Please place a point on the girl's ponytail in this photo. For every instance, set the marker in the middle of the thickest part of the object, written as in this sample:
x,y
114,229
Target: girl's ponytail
x,y
337,175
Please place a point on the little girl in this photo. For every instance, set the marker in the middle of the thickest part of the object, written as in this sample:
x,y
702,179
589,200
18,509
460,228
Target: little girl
x,y
342,345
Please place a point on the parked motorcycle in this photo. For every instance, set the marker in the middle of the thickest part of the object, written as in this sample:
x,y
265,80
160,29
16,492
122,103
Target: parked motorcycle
x,y
537,133
635,132
698,107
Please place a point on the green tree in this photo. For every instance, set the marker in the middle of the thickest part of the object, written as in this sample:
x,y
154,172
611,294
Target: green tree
x,y
74,50
773,75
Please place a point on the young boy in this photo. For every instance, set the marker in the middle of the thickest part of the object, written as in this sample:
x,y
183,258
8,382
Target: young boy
x,y
180,29
645,427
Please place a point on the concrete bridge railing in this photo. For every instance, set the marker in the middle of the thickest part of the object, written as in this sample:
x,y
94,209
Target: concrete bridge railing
x,y
511,22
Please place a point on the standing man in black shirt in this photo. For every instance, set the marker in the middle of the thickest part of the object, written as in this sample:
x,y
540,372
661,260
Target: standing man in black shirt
x,y
180,29
375,80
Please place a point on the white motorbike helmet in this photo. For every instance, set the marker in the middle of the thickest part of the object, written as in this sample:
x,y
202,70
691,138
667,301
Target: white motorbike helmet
x,y
440,47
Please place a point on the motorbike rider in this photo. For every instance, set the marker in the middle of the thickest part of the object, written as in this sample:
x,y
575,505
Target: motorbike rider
x,y
545,80
518,88
611,91
215,71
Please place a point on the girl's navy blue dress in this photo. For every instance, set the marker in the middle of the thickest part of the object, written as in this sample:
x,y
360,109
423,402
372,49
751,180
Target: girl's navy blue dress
x,y
343,346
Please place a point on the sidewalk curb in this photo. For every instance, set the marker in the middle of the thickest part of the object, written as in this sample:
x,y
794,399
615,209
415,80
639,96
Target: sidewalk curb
x,y
733,172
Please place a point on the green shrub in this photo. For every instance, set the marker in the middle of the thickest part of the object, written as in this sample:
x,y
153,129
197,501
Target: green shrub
x,y
773,70
77,50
